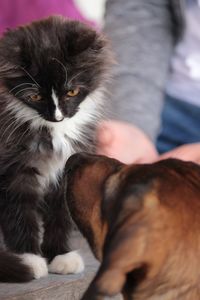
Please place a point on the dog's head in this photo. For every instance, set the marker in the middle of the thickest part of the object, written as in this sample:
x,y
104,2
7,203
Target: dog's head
x,y
86,179
137,217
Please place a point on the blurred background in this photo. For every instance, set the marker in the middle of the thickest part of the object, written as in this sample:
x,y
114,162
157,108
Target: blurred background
x,y
19,12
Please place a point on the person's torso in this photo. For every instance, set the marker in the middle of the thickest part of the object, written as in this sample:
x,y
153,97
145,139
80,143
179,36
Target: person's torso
x,y
184,80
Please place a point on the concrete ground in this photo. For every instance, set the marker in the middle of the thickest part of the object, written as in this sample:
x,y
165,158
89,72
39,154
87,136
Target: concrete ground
x,y
56,287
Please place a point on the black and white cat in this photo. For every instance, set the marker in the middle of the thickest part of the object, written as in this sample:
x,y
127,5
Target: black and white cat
x,y
52,78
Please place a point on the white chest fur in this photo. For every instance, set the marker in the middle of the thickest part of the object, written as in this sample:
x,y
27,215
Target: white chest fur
x,y
51,165
63,135
55,163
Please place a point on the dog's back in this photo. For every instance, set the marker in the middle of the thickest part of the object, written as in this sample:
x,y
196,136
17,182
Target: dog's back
x,y
143,223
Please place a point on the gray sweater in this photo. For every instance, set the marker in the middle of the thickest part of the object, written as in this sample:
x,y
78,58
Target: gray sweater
x,y
143,34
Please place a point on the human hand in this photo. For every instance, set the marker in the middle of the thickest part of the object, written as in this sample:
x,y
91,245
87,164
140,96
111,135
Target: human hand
x,y
124,142
188,152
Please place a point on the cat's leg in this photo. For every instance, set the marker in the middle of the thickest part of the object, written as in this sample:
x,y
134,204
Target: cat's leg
x,y
21,233
57,223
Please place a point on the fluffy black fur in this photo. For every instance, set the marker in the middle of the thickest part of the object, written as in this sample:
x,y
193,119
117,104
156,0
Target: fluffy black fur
x,y
13,269
50,55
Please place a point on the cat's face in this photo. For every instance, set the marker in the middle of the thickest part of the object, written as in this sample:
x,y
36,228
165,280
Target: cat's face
x,y
51,66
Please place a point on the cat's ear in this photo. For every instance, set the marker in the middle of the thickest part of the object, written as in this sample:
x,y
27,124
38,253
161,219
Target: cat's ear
x,y
80,37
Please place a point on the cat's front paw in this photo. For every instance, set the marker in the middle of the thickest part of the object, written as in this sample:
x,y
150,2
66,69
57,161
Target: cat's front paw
x,y
69,263
36,263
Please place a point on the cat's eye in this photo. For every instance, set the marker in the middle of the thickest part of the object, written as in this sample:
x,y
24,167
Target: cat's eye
x,y
73,92
36,97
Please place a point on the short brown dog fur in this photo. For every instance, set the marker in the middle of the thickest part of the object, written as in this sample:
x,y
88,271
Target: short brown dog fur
x,y
142,222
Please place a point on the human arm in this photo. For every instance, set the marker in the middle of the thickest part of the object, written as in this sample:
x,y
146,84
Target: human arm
x,y
142,38
188,152
125,142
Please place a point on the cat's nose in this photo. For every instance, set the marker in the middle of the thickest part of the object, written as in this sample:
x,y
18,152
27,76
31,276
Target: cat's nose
x,y
59,119
58,116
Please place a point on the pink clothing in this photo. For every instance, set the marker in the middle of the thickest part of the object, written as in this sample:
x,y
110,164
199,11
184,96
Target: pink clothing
x,y
18,12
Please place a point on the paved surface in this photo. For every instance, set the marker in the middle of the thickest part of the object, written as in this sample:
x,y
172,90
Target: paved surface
x,y
55,287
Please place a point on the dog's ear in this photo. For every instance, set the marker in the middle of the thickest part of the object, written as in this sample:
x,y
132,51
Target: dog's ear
x,y
126,243
124,197
123,254
137,198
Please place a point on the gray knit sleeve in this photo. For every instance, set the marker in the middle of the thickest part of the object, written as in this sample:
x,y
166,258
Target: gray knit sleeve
x,y
142,38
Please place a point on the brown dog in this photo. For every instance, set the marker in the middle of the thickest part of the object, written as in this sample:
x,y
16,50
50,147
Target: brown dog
x,y
142,222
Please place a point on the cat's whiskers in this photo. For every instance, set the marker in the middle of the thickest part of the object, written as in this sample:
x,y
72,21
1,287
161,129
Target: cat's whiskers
x,y
12,132
13,119
29,88
24,134
29,129
75,76
17,127
7,120
30,76
21,84
83,87
64,68
9,126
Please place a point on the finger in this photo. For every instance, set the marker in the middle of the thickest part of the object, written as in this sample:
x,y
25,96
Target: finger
x,y
101,151
169,154
104,136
